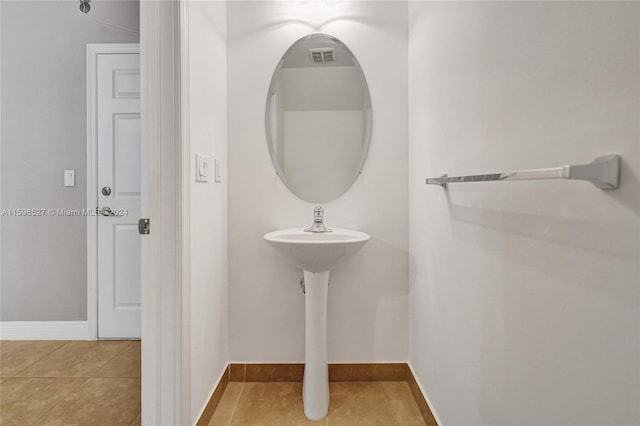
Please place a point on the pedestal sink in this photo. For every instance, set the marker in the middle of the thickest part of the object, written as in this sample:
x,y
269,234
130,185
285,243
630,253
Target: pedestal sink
x,y
316,254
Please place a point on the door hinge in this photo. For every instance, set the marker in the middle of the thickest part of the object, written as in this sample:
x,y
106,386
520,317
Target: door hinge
x,y
144,226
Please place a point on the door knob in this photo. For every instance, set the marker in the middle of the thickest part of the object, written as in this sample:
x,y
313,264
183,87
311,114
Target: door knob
x,y
106,211
106,191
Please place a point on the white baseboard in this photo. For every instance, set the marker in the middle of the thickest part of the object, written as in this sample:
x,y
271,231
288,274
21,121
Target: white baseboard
x,y
44,330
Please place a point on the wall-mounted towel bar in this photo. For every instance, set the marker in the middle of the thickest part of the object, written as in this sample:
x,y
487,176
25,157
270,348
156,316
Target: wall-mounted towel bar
x,y
603,172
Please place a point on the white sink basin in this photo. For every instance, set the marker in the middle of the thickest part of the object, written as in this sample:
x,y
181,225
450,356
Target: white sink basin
x,y
316,252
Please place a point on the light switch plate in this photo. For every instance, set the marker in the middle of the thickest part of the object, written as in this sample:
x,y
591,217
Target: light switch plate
x,y
202,168
69,178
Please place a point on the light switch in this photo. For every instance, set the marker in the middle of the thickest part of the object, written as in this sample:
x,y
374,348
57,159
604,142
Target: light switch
x,y
218,170
69,178
202,168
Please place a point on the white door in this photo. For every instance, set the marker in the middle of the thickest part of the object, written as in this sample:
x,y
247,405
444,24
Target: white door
x,y
118,191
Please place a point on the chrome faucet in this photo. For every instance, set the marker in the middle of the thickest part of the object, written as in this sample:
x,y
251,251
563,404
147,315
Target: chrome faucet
x,y
318,224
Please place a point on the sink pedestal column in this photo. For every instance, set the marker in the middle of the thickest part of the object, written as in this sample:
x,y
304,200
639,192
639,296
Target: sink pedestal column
x,y
315,386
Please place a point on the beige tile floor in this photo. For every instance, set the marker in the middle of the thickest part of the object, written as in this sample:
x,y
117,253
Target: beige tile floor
x,y
352,404
69,383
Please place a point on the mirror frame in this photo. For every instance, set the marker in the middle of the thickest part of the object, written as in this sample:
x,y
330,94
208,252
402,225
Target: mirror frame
x,y
366,136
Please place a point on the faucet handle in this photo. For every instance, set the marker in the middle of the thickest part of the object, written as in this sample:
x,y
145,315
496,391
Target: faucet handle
x,y
318,224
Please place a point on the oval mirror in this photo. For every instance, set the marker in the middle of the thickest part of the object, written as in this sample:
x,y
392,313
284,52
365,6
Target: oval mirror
x,y
318,118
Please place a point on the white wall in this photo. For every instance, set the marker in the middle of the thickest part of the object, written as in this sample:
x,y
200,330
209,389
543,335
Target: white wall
x,y
208,201
368,296
525,296
44,273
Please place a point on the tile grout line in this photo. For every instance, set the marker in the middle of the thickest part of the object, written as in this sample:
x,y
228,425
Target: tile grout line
x,y
61,399
112,358
86,379
390,391
235,406
72,391
54,379
139,414
43,357
17,375
130,342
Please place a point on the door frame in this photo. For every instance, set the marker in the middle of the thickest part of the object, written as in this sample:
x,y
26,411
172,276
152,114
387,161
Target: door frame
x,y
164,184
93,51
165,178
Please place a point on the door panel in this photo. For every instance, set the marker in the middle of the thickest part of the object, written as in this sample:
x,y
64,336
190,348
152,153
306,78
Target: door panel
x,y
118,123
127,154
126,84
127,268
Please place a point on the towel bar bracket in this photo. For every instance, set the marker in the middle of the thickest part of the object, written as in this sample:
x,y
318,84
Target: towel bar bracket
x,y
439,181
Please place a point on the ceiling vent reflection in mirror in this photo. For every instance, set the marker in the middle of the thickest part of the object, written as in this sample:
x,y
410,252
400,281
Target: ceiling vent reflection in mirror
x,y
322,55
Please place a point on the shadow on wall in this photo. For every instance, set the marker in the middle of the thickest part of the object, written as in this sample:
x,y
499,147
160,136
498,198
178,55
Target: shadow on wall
x,y
628,193
607,238
476,204
314,23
